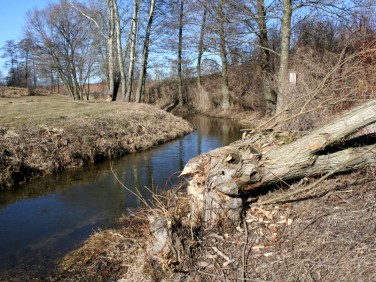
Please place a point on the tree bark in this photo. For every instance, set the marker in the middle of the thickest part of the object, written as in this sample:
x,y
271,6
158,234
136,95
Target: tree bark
x,y
269,95
145,54
265,160
110,49
132,55
223,51
283,84
201,50
119,49
180,51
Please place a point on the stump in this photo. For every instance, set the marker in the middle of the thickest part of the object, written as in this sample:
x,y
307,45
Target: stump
x,y
267,159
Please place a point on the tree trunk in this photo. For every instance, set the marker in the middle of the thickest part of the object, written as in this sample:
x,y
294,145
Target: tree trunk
x,y
119,48
180,51
145,54
201,50
110,50
269,95
223,51
283,84
132,55
265,160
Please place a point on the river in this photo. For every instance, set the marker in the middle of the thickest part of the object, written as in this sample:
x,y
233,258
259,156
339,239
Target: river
x,y
45,219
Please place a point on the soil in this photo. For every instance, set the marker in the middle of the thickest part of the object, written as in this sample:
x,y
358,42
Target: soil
x,y
46,133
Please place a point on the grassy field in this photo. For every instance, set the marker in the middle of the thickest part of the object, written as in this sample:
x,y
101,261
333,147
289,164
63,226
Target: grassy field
x,y
44,133
54,109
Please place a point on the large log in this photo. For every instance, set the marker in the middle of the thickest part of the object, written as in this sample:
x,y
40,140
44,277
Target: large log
x,y
218,178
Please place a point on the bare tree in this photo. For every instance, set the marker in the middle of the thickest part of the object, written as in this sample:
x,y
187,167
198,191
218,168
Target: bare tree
x,y
145,53
108,25
59,32
25,47
283,73
110,49
180,51
221,17
269,94
132,54
119,48
201,49
10,52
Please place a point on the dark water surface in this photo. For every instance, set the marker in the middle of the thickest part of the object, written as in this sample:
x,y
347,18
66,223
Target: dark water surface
x,y
43,220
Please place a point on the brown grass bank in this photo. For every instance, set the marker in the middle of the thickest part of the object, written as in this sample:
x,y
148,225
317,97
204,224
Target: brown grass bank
x,y
327,237
45,133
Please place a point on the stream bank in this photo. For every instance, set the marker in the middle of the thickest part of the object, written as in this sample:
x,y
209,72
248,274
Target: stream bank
x,y
43,220
44,134
330,237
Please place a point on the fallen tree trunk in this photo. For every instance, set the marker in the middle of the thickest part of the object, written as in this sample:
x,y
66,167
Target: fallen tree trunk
x,y
219,177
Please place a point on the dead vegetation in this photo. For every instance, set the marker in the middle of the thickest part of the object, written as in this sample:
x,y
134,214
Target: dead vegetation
x,y
328,236
44,134
15,92
108,255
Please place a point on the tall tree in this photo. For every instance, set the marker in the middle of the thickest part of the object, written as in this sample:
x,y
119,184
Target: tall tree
x,y
145,53
180,52
25,46
10,52
269,94
283,73
132,53
59,32
221,17
201,49
119,48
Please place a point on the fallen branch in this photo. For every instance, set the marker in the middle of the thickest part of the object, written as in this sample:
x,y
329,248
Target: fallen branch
x,y
312,186
270,159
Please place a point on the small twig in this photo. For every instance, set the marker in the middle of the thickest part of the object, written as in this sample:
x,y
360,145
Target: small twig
x,y
231,278
127,189
244,269
215,249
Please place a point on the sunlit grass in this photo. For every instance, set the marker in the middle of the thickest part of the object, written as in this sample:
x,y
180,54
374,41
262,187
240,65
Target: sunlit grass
x,y
55,109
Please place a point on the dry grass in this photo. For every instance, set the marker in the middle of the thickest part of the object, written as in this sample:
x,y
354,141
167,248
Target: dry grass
x,y
329,237
108,255
122,254
43,134
327,84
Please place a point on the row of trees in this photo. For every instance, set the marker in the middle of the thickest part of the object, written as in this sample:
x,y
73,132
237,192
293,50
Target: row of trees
x,y
124,42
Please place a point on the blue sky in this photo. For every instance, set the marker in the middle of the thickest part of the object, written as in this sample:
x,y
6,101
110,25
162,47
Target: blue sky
x,y
12,19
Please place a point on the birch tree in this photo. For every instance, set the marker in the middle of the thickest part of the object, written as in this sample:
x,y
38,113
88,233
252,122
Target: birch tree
x,y
180,51
119,48
132,54
145,54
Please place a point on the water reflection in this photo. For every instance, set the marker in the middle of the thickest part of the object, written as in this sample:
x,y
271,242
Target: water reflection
x,y
43,220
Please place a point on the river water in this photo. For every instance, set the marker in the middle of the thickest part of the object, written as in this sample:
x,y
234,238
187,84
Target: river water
x,y
43,220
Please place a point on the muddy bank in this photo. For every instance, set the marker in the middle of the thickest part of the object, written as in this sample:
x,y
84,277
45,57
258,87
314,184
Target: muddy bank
x,y
329,237
44,134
